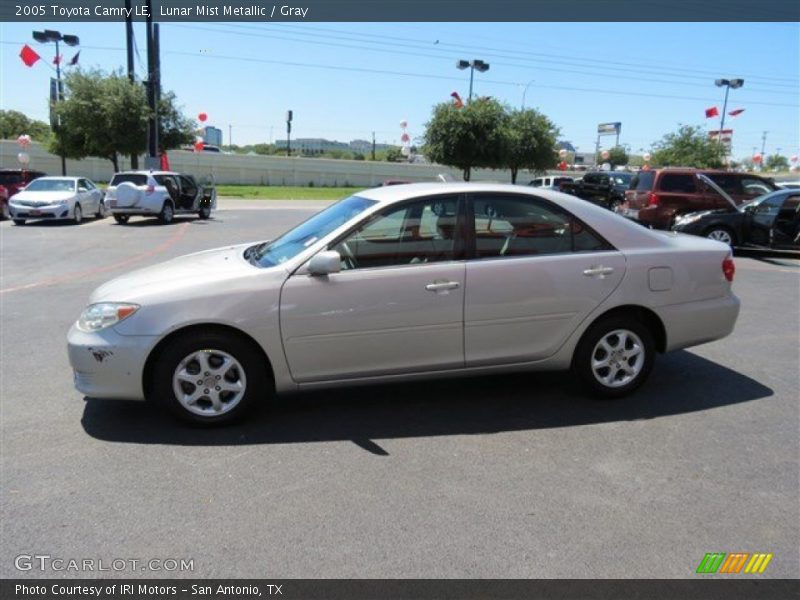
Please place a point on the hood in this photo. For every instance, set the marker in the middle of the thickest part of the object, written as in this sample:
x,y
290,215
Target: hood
x,y
45,197
203,271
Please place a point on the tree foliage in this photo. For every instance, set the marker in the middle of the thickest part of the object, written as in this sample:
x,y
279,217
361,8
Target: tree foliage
x,y
687,147
106,115
616,157
777,162
14,123
529,142
469,137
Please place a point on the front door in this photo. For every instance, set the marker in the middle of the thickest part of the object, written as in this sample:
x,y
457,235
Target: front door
x,y
536,273
396,306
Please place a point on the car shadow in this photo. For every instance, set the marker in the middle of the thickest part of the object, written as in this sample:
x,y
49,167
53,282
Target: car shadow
x,y
153,221
682,382
58,222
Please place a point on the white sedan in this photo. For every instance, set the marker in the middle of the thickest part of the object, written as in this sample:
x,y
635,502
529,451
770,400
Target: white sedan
x,y
406,282
55,198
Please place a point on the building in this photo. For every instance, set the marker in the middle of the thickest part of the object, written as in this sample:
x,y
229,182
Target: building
x,y
313,146
212,136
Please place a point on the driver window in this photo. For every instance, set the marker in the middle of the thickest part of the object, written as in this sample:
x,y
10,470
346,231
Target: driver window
x,y
416,233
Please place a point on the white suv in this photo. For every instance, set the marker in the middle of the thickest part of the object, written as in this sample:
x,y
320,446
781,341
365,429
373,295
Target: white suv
x,y
162,194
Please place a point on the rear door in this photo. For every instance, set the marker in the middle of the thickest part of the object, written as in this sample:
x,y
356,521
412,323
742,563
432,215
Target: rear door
x,y
680,193
534,273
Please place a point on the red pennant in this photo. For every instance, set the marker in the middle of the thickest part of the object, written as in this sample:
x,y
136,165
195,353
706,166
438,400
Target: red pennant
x,y
28,55
57,60
74,60
737,112
712,112
457,101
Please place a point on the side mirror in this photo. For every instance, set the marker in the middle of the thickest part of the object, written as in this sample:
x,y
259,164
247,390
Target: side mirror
x,y
325,263
83,189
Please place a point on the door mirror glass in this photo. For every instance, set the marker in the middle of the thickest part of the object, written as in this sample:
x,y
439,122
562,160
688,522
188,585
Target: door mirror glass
x,y
83,189
325,263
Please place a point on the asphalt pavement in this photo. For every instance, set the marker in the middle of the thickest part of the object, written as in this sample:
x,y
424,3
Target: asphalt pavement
x,y
495,477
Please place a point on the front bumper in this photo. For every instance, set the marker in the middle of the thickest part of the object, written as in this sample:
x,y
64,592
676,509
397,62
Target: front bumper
x,y
53,211
106,364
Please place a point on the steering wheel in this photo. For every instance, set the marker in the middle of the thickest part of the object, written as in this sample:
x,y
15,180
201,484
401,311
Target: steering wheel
x,y
349,258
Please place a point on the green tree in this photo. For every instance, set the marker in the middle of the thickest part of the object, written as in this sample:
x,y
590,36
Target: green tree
x,y
777,162
469,137
530,140
106,115
14,123
394,155
616,157
687,147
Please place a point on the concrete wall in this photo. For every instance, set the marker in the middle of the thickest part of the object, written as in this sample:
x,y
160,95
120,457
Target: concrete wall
x,y
256,170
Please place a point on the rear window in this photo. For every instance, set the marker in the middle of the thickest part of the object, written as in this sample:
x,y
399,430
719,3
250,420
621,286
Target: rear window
x,y
677,182
134,178
643,181
7,178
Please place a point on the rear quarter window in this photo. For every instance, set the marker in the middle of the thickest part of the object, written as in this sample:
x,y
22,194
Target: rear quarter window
x,y
681,183
643,181
134,178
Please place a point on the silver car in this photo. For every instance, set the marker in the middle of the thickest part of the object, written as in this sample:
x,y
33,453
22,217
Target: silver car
x,y
55,198
406,282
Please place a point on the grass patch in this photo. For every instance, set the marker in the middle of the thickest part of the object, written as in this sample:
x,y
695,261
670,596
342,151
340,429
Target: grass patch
x,y
276,192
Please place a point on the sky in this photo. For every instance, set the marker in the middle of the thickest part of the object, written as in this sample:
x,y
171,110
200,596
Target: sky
x,y
345,80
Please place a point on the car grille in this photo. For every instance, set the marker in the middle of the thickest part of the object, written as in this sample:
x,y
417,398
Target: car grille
x,y
33,203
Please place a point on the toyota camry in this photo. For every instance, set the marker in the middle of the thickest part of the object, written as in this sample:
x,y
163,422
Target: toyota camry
x,y
405,282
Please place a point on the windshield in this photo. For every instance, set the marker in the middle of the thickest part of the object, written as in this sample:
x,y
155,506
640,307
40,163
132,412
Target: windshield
x,y
756,201
621,178
51,185
294,241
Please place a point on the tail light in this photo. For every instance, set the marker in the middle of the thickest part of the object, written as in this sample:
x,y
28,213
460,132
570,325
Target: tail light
x,y
652,199
728,268
150,189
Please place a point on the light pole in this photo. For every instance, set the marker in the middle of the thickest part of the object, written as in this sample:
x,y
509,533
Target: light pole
x,y
525,91
472,65
727,84
49,35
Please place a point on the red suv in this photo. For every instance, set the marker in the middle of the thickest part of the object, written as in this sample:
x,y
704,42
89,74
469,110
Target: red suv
x,y
656,197
13,180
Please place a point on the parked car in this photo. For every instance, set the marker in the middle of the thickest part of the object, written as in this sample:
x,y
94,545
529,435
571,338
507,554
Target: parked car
x,y
406,282
14,181
788,185
769,221
55,198
604,188
161,194
4,214
550,182
657,197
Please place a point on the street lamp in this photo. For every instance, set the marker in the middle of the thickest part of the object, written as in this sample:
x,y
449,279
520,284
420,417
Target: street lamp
x,y
727,84
472,65
44,37
525,91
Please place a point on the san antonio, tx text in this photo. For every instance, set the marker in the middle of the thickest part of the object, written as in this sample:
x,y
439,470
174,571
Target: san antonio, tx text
x,y
236,591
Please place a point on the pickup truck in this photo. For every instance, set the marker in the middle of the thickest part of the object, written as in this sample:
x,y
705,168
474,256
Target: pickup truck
x,y
605,188
162,194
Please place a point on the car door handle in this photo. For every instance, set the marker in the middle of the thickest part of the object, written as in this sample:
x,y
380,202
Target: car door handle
x,y
441,286
598,271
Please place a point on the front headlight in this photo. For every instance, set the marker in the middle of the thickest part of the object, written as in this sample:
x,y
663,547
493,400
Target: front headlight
x,y
687,219
104,314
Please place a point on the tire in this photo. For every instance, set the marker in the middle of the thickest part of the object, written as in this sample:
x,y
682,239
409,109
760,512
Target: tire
x,y
601,343
77,214
722,234
6,213
101,210
19,222
167,214
121,219
202,403
204,212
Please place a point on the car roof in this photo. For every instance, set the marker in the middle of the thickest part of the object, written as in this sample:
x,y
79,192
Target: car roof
x,y
142,172
61,178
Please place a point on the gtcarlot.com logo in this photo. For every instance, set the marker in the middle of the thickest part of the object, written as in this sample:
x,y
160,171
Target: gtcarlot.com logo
x,y
720,562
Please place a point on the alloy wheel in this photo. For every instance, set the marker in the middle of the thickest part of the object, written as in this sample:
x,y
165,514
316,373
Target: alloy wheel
x,y
618,358
209,382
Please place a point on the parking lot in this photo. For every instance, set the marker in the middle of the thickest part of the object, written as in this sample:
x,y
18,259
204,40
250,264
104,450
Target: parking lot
x,y
496,477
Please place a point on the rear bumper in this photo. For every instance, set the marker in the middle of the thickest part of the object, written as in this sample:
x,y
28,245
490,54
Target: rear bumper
x,y
694,323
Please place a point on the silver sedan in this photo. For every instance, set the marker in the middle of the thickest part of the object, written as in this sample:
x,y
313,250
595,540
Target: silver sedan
x,y
400,283
56,198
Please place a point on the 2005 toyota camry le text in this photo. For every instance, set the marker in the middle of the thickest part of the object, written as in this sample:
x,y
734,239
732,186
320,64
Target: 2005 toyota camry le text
x,y
406,282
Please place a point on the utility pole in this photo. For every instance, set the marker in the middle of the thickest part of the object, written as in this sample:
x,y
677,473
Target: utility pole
x,y
230,137
373,145
288,133
763,147
129,51
151,161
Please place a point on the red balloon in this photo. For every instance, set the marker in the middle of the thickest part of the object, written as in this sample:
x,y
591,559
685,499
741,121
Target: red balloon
x,y
562,165
203,117
198,146
757,158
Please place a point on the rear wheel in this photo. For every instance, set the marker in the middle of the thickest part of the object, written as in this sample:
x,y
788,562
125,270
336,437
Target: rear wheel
x,y
19,222
101,210
721,234
167,213
204,212
121,219
77,214
614,356
209,377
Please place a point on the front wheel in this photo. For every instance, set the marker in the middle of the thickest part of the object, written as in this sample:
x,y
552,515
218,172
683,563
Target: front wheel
x,y
77,214
204,212
19,222
167,213
209,378
101,210
121,219
614,357
721,234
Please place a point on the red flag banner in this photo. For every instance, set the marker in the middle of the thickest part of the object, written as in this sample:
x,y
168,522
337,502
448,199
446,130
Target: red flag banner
x,y
457,102
74,60
57,60
28,55
737,112
712,112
